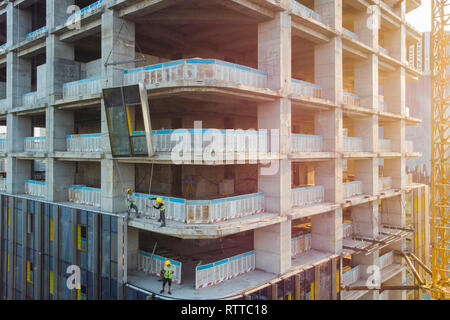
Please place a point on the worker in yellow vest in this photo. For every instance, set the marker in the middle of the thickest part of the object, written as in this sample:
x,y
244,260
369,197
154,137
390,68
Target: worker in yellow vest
x,y
131,203
167,276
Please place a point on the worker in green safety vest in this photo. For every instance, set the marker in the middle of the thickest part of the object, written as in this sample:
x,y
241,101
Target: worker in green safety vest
x,y
167,273
131,203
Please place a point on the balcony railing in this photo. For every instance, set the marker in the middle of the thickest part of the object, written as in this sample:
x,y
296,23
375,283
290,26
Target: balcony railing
x,y
85,142
384,145
86,11
306,89
246,141
153,264
202,211
350,33
305,11
29,99
3,142
386,259
347,230
409,146
35,188
383,50
351,276
351,189
300,244
353,144
3,184
36,33
35,144
3,48
84,87
216,272
173,72
352,99
85,195
306,143
306,196
384,183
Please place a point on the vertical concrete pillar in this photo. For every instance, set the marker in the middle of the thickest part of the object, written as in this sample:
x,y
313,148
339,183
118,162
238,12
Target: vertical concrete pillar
x,y
395,168
394,211
366,28
17,129
366,81
18,79
116,177
118,45
395,43
331,12
367,129
60,176
365,220
17,172
366,170
274,57
132,248
60,55
329,175
326,233
396,132
18,24
394,91
61,124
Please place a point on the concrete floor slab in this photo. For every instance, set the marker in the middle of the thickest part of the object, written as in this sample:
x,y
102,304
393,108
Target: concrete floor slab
x,y
310,258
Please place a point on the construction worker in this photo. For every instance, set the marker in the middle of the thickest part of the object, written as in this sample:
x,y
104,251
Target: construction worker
x,y
131,203
162,211
167,276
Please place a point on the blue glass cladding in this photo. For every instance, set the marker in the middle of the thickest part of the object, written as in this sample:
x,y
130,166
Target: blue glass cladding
x,y
66,238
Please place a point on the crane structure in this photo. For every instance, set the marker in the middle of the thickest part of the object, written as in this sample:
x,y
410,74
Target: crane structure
x,y
440,112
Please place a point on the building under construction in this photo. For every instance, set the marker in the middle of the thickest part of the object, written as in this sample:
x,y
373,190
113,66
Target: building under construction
x,y
301,193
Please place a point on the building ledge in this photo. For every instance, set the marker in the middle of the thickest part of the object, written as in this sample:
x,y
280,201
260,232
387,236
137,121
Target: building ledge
x,y
302,212
22,110
185,290
207,231
413,154
74,102
353,201
310,258
77,156
29,155
312,155
311,103
389,154
360,155
354,110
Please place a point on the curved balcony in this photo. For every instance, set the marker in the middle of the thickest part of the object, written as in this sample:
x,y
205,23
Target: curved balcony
x,y
197,72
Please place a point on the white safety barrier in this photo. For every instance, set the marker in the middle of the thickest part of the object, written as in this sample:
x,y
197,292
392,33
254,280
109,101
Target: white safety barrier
x,y
153,264
306,196
351,189
92,142
302,10
175,207
3,184
195,70
347,230
300,244
35,34
353,144
384,295
307,89
350,33
3,105
35,188
3,144
409,146
351,276
29,99
85,195
208,140
225,269
384,145
85,11
384,183
306,143
386,259
352,99
3,48
35,144
383,50
83,87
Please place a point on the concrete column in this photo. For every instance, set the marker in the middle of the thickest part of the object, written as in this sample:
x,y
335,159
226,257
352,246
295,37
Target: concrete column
x,y
366,170
396,132
326,233
18,79
328,124
365,28
328,69
17,129
60,56
367,129
272,247
394,91
118,45
104,129
61,124
132,248
116,177
18,24
365,220
397,280
329,175
60,176
395,43
395,168
366,261
331,12
394,211
17,172
366,81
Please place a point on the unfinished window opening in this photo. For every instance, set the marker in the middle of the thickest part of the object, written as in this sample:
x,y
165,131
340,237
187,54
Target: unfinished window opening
x,y
356,136
356,181
301,236
307,133
3,34
303,65
348,20
86,187
3,101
